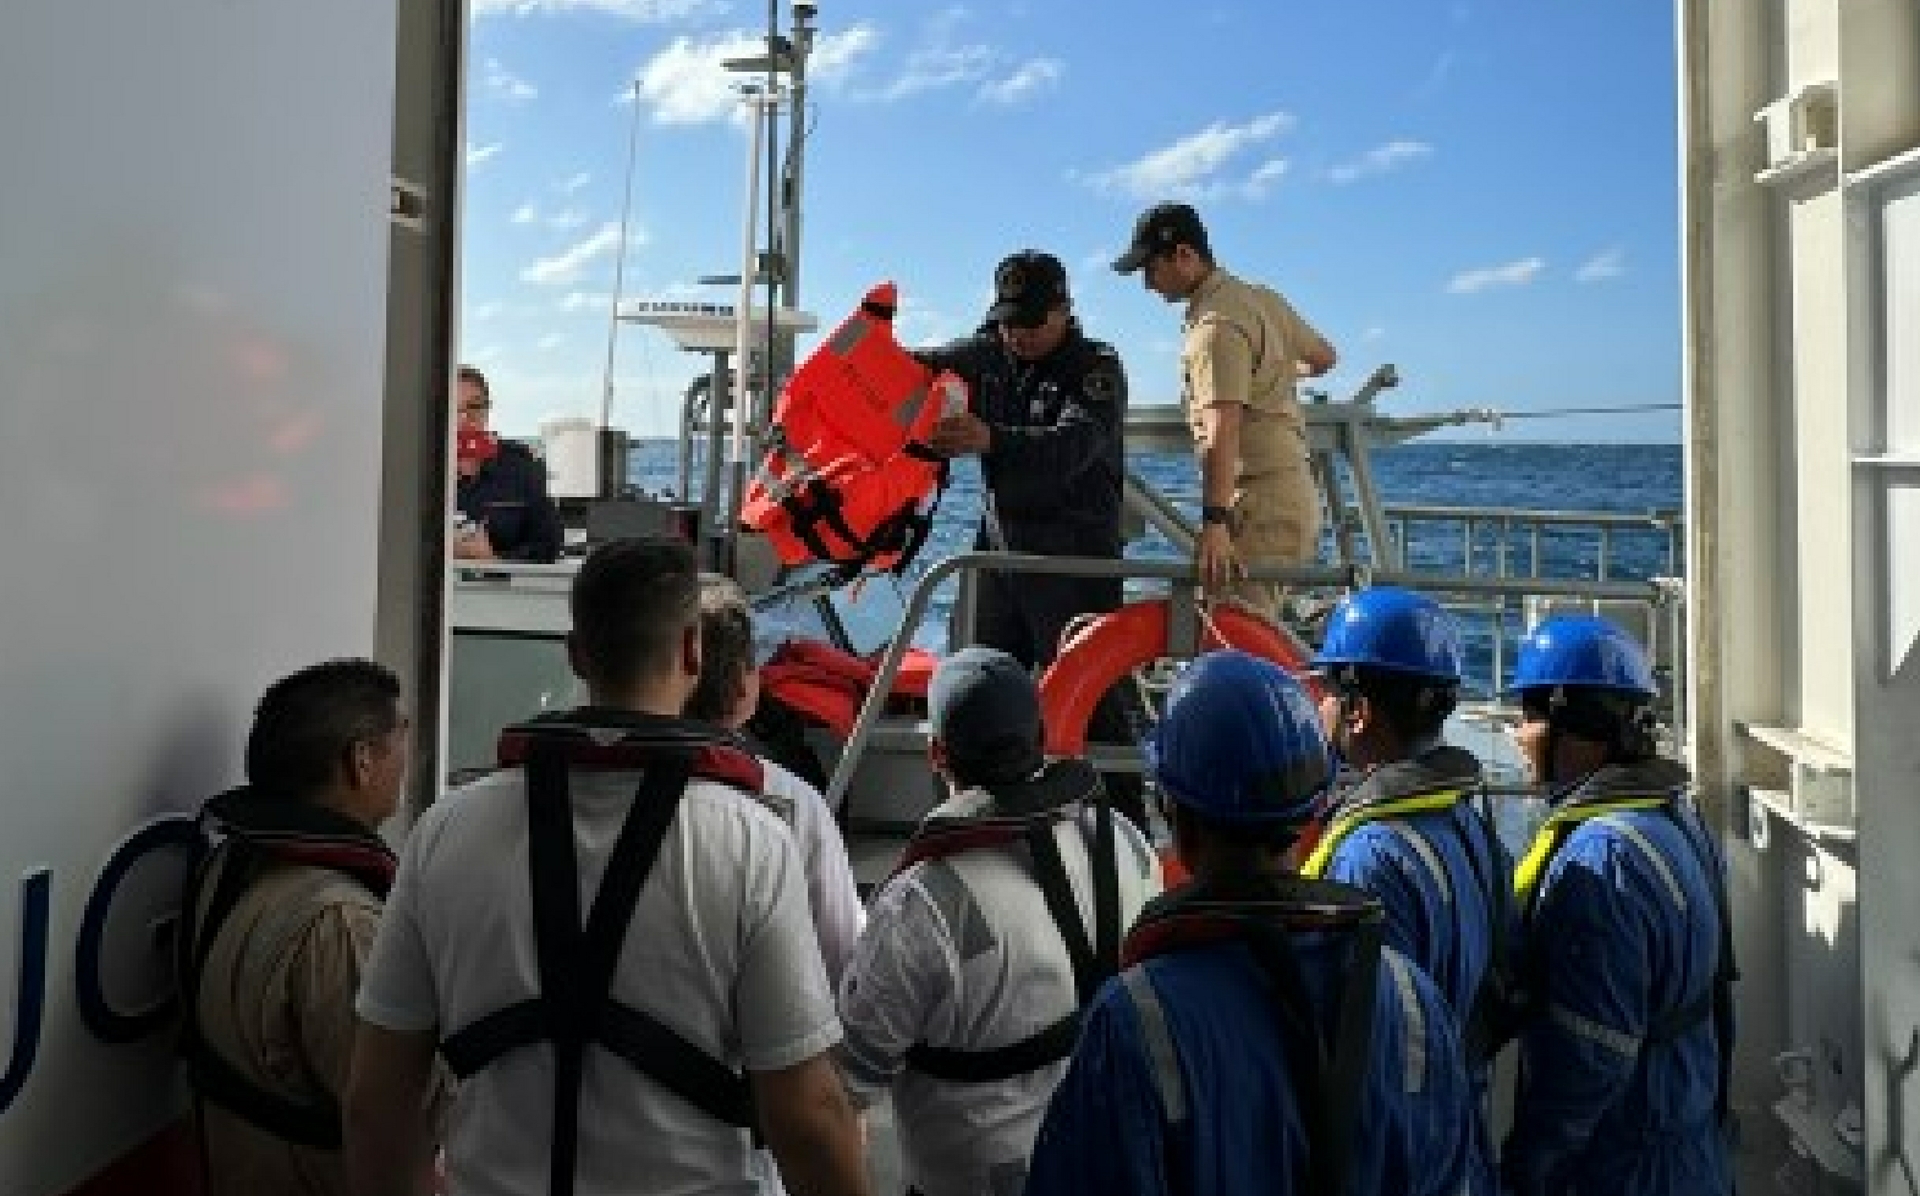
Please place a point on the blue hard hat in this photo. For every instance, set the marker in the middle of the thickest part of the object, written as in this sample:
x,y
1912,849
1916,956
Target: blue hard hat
x,y
1240,741
1583,650
1393,629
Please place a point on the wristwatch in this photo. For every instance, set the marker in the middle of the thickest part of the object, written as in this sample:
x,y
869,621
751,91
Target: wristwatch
x,y
1211,514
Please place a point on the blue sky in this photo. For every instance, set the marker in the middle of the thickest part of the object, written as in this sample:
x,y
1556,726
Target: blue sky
x,y
1483,193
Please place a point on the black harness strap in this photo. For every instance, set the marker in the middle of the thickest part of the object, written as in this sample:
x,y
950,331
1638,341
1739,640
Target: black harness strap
x,y
314,1123
1329,1085
1498,1000
1093,961
1717,1001
576,964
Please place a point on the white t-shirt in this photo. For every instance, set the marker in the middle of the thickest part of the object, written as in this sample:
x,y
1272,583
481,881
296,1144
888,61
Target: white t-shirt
x,y
838,914
962,953
720,949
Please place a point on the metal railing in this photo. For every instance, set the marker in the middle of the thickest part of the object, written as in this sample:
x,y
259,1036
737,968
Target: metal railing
x,y
1495,535
1179,576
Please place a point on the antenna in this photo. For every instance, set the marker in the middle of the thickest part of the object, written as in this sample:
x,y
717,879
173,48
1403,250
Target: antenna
x,y
620,267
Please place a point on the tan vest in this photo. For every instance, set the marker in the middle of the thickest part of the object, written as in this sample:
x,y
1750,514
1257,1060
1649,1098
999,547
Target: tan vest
x,y
1242,345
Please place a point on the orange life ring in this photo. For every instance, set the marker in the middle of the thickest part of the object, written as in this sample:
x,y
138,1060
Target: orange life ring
x,y
1110,647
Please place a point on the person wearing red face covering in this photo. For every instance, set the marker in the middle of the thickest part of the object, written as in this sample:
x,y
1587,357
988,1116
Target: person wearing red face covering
x,y
505,512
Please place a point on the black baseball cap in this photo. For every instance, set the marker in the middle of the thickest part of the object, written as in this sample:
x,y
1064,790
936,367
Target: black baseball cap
x,y
1026,286
1160,228
985,710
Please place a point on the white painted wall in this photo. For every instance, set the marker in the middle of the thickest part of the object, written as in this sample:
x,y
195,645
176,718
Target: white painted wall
x,y
193,279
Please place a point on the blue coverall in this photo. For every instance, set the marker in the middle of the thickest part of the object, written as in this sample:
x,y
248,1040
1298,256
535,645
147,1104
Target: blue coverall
x,y
1441,874
1622,933
1107,1128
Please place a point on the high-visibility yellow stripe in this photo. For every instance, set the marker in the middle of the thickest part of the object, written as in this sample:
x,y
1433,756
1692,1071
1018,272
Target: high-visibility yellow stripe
x,y
1346,824
1554,831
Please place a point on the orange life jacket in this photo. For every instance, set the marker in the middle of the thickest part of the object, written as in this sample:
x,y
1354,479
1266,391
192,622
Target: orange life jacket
x,y
826,685
848,478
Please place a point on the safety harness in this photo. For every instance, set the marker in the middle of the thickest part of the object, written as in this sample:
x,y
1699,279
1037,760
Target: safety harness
x,y
1716,1002
1026,814
252,832
1327,1071
1490,1022
574,1008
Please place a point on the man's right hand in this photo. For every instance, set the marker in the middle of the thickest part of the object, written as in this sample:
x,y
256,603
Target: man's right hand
x,y
1215,561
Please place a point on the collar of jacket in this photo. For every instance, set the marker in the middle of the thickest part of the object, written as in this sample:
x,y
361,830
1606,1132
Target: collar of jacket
x,y
1612,781
300,832
993,816
1209,286
1439,767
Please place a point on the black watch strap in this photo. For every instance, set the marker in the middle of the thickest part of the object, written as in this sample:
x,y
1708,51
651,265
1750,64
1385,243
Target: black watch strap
x,y
1211,514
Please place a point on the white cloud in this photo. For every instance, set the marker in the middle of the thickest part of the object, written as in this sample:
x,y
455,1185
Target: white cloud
x,y
1513,274
836,54
1601,267
1373,333
568,265
526,213
567,219
569,186
585,301
685,84
505,84
643,11
1380,160
940,59
1260,183
1190,167
550,342
479,154
483,311
1030,79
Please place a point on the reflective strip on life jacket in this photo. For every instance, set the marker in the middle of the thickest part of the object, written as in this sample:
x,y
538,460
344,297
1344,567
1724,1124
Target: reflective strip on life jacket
x,y
1532,867
1716,1003
1093,960
1328,1077
1399,807
849,480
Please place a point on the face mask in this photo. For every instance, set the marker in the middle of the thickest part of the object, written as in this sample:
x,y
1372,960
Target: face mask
x,y
476,446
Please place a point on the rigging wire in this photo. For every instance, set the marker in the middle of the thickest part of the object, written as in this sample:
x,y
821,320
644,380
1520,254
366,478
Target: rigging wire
x,y
1623,409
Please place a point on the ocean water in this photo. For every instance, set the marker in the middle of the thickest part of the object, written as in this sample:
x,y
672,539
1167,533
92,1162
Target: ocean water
x,y
1634,480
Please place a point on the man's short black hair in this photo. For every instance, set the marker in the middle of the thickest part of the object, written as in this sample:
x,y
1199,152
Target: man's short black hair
x,y
726,648
472,374
1626,723
1413,707
632,602
307,723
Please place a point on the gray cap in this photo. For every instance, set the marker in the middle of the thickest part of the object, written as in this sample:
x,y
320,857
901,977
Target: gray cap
x,y
985,711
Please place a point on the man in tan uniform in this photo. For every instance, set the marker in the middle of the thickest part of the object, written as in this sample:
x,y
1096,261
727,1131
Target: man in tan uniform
x,y
1244,347
277,922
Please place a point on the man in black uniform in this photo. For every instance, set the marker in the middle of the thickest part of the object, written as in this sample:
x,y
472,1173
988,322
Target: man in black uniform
x,y
505,512
1047,421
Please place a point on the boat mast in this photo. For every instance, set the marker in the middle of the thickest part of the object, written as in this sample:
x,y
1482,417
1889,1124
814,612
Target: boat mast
x,y
760,112
619,277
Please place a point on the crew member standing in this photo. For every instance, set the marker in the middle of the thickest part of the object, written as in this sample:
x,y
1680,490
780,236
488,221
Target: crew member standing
x,y
1242,351
1048,420
1628,950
